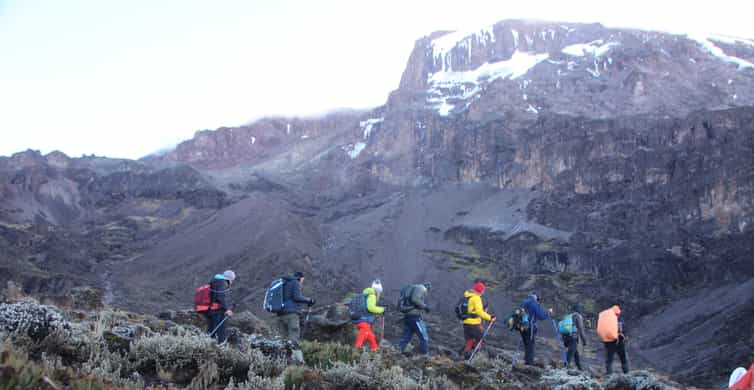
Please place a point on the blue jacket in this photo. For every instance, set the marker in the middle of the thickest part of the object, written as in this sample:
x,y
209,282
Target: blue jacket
x,y
292,296
534,311
219,292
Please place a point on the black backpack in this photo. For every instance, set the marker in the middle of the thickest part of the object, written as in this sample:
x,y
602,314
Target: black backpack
x,y
357,307
404,302
273,297
462,309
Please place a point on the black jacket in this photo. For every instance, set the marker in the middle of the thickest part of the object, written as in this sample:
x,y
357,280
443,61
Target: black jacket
x,y
219,293
292,296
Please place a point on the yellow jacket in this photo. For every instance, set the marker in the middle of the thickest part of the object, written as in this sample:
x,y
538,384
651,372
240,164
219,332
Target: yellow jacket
x,y
475,307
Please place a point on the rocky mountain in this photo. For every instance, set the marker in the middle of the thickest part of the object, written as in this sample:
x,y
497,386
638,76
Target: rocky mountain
x,y
598,165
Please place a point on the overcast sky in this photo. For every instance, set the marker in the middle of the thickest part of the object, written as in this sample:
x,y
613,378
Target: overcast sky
x,y
127,78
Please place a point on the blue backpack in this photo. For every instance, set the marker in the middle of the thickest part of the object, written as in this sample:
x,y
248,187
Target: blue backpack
x,y
566,327
357,307
518,320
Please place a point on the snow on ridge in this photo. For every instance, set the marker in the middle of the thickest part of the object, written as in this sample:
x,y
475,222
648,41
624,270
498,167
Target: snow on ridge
x,y
730,40
368,124
719,53
355,149
446,86
442,46
595,48
518,65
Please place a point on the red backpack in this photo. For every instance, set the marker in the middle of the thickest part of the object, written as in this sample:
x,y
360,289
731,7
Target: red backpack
x,y
202,300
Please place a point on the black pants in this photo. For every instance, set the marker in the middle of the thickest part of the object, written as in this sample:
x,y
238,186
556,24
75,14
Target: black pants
x,y
215,318
572,347
528,338
612,348
472,334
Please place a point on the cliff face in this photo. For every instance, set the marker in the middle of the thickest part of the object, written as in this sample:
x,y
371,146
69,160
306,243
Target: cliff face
x,y
598,165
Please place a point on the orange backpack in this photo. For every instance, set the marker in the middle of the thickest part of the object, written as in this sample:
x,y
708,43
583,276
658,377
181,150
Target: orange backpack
x,y
607,326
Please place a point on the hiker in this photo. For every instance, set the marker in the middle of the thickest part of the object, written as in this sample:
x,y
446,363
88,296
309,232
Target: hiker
x,y
364,323
610,331
289,316
412,304
472,324
572,330
535,312
220,304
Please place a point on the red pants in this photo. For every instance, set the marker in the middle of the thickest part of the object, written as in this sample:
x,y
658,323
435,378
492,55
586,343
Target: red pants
x,y
365,333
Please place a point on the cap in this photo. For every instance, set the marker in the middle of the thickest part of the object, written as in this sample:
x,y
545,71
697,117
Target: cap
x,y
377,286
298,274
479,287
616,309
229,275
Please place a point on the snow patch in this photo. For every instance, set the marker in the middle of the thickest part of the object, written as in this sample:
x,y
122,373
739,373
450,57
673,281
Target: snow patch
x,y
445,87
288,129
730,40
719,53
595,48
444,45
515,38
253,140
305,136
367,125
532,109
355,149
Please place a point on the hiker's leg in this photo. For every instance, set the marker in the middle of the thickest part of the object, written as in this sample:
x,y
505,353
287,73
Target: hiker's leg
x,y
610,351
220,332
568,342
294,329
361,336
576,356
621,349
282,326
421,329
408,331
528,347
371,337
210,323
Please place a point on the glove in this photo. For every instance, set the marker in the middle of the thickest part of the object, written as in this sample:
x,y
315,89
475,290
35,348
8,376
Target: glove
x,y
312,301
493,319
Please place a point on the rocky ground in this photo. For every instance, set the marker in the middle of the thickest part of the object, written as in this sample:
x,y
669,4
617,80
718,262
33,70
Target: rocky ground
x,y
45,347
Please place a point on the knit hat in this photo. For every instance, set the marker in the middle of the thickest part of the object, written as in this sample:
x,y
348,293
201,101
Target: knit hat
x,y
298,275
479,287
377,286
616,310
229,275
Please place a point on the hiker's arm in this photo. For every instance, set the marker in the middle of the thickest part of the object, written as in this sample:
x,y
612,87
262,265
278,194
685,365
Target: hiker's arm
x,y
580,326
539,312
297,296
372,305
478,309
220,297
417,298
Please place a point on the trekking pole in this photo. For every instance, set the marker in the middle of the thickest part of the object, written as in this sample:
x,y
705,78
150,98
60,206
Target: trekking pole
x,y
560,340
382,329
218,326
306,321
479,344
515,355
